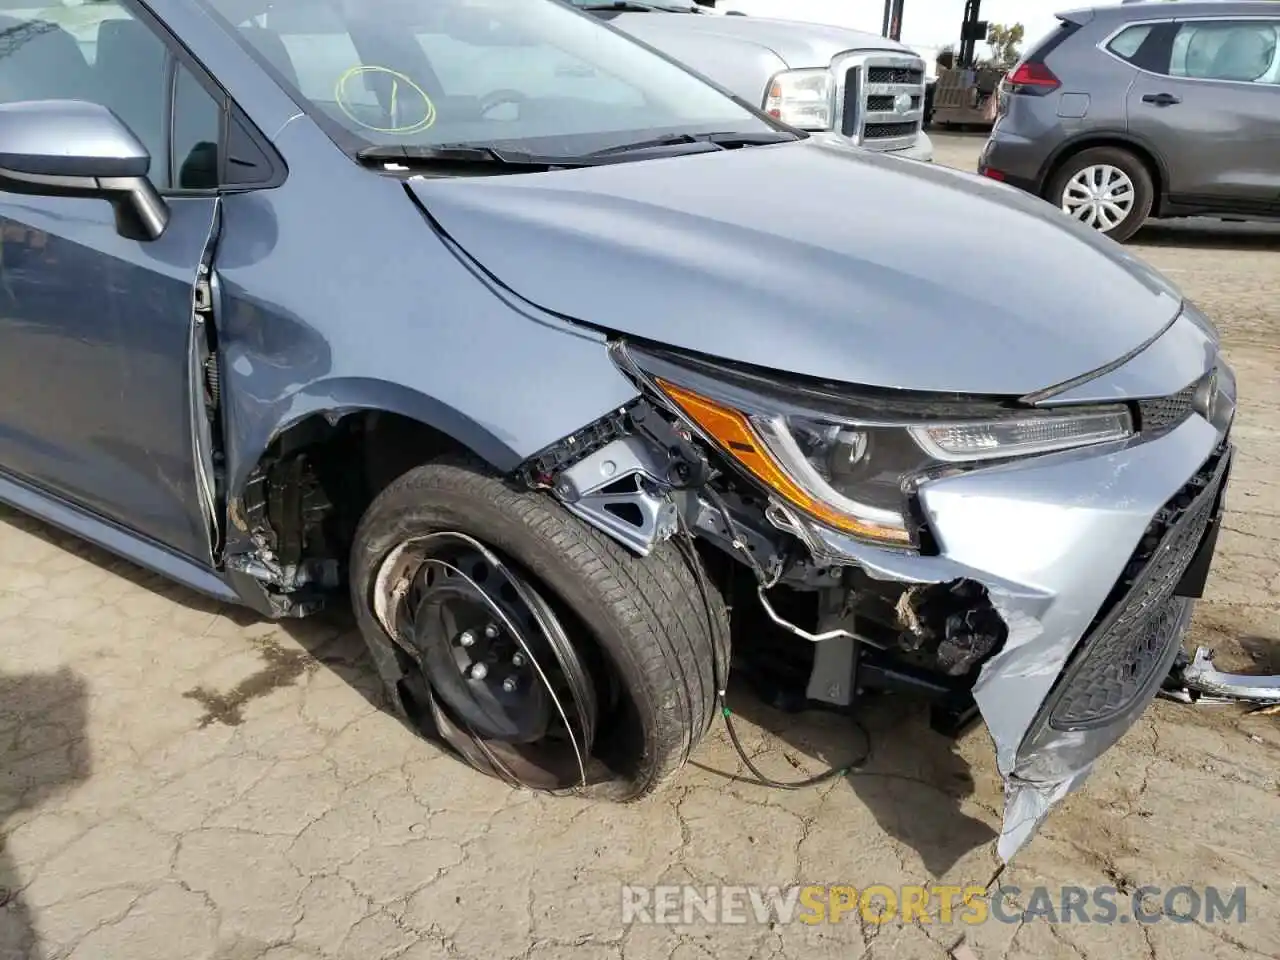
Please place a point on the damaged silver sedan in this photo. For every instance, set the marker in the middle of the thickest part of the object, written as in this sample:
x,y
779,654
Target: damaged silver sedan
x,y
591,386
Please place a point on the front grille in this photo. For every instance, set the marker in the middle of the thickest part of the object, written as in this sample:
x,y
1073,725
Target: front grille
x,y
894,75
883,131
883,103
1165,412
1162,413
1137,631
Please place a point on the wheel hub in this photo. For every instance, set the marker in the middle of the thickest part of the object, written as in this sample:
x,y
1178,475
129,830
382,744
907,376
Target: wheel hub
x,y
1101,196
488,665
477,668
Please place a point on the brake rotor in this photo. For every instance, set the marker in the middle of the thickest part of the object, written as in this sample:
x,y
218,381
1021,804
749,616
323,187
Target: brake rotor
x,y
493,672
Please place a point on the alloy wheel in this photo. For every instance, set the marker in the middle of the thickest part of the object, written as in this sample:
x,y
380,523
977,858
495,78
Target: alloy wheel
x,y
1101,196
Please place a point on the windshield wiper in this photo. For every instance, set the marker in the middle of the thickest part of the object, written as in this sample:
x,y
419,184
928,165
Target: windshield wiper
x,y
457,154
626,6
725,140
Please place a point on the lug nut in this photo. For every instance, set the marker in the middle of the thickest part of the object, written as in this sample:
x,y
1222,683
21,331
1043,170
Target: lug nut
x,y
467,638
491,631
517,659
509,685
479,671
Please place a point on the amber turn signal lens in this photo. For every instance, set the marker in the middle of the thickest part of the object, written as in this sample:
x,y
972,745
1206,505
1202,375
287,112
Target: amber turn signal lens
x,y
736,437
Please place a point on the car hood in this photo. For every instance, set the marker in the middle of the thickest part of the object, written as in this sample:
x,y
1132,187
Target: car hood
x,y
796,44
816,259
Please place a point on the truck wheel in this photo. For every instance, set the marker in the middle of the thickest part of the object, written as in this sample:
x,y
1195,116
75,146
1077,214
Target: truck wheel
x,y
1106,188
532,645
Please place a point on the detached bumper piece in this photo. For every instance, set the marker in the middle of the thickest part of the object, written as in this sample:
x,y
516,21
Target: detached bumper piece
x,y
1198,682
1119,667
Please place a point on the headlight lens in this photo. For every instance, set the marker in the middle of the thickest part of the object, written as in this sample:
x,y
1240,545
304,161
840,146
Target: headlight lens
x,y
1021,436
853,473
802,98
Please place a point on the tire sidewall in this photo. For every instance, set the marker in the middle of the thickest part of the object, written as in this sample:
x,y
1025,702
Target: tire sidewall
x,y
404,512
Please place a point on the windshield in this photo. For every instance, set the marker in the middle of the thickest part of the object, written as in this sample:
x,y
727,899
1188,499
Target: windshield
x,y
532,75
674,6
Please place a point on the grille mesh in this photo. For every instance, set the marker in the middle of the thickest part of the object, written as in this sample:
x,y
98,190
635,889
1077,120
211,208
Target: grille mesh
x,y
894,75
883,103
882,131
1165,412
1117,661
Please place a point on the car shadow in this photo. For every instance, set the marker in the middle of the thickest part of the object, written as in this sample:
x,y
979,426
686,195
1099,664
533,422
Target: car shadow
x,y
1263,652
913,783
44,750
1209,234
909,777
327,640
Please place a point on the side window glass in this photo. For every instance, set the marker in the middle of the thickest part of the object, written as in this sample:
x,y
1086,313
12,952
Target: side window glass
x,y
102,53
97,52
1239,51
197,134
1128,42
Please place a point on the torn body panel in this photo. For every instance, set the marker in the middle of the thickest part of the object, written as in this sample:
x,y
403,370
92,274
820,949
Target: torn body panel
x,y
205,396
310,331
1053,593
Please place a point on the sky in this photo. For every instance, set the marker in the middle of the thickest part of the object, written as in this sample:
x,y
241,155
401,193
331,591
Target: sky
x,y
926,22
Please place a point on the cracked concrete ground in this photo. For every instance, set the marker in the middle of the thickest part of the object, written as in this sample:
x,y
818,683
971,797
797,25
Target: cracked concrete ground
x,y
180,780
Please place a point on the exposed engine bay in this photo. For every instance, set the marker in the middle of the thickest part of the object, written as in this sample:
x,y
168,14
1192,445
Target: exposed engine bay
x,y
642,477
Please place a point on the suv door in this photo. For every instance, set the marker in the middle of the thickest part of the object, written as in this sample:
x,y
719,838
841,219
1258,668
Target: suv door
x,y
96,401
1208,99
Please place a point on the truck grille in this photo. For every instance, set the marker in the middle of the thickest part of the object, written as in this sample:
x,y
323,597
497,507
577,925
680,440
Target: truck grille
x,y
1138,632
882,107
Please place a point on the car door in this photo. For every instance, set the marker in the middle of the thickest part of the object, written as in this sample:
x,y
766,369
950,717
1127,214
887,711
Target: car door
x,y
1209,102
95,328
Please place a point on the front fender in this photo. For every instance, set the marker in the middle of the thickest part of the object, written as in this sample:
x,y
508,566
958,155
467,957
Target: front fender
x,y
261,422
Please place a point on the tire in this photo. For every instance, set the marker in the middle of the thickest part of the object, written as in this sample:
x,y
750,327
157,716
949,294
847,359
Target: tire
x,y
1118,159
659,626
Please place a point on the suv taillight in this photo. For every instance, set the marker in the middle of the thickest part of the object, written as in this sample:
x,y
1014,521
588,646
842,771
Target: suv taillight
x,y
1031,77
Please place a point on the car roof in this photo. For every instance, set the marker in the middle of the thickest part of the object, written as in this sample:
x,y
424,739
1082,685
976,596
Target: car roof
x,y
1143,9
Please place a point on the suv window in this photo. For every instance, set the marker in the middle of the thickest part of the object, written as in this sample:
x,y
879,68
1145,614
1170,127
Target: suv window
x,y
101,52
1243,51
1129,41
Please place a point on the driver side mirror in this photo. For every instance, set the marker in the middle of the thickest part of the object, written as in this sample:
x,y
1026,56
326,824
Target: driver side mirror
x,y
72,148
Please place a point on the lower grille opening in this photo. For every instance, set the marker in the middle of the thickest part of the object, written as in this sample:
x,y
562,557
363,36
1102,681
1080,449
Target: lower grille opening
x,y
1132,635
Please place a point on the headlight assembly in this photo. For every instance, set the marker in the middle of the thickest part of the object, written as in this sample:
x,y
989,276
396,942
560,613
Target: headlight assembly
x,y
851,462
802,98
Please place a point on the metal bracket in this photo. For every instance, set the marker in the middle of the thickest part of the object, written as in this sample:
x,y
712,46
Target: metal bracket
x,y
618,489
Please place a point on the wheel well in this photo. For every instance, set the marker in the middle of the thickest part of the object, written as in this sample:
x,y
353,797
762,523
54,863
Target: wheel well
x,y
1119,143
308,491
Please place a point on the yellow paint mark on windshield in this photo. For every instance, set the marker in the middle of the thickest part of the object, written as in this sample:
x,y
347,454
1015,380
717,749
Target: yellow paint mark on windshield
x,y
419,110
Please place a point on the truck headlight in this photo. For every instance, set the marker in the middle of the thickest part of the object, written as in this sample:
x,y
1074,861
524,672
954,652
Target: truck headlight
x,y
850,460
802,98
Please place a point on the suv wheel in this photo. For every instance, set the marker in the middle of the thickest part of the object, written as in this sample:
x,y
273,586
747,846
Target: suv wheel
x,y
1106,188
531,645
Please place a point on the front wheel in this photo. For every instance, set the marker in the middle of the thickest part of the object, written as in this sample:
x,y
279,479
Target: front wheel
x,y
1106,188
530,644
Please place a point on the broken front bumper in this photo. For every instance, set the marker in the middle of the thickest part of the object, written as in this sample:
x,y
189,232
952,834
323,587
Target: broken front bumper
x,y
1093,558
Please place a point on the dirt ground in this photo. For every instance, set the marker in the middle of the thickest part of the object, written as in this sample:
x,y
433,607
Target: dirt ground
x,y
179,780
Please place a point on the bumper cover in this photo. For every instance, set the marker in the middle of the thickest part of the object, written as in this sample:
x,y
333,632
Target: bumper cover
x,y
1093,558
